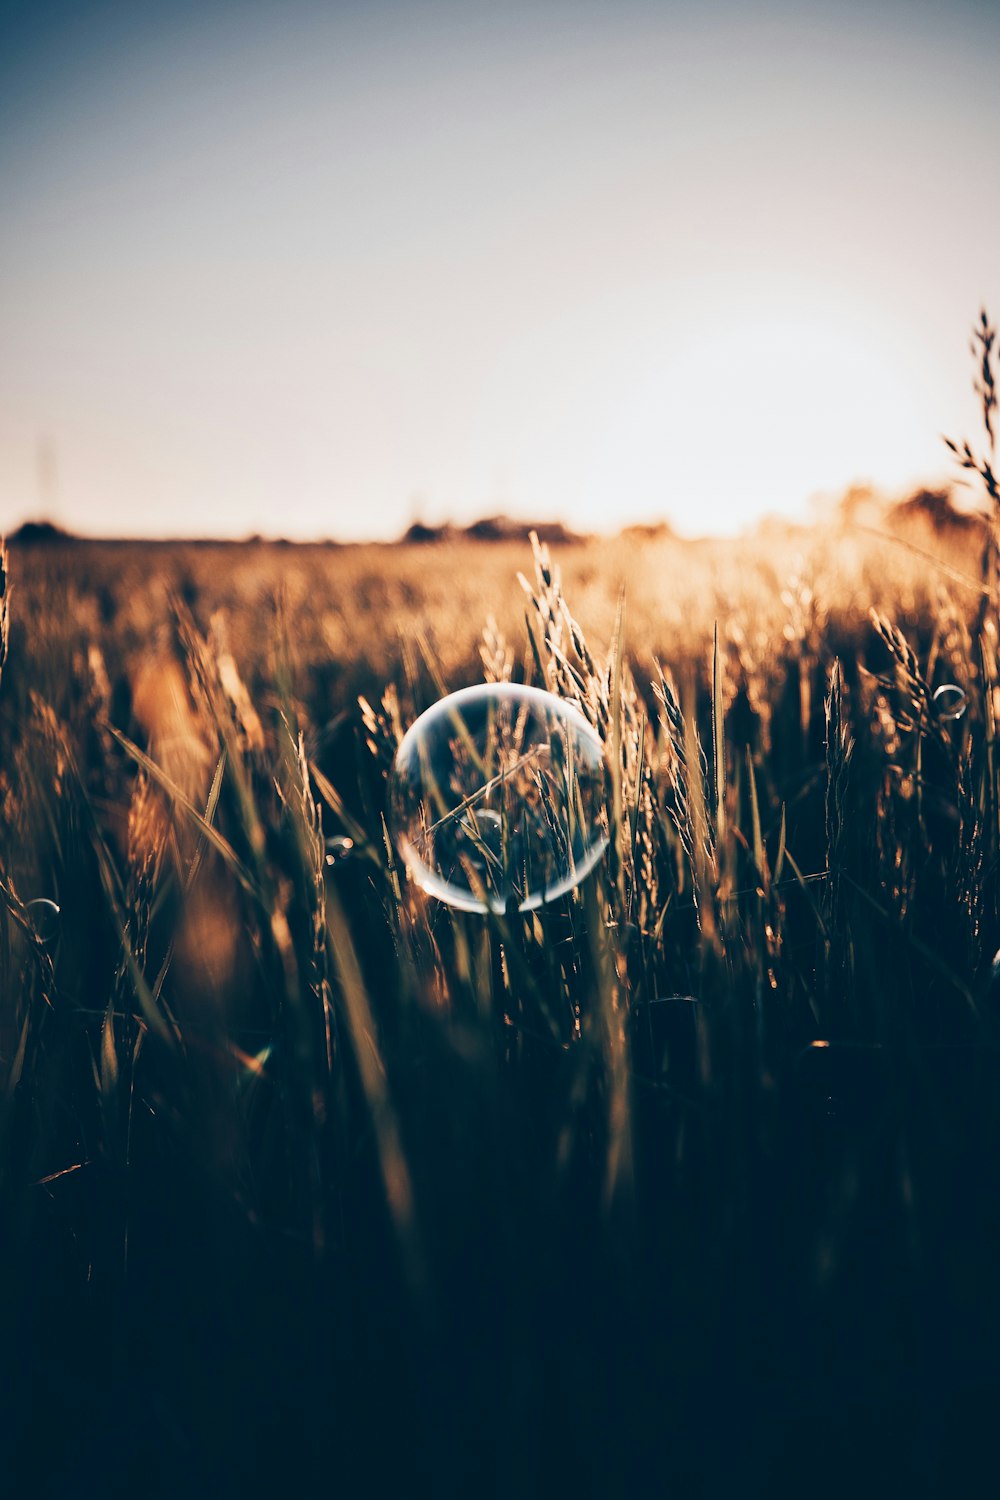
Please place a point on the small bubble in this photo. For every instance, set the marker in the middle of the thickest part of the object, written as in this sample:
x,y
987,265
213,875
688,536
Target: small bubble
x,y
952,700
496,797
45,915
338,849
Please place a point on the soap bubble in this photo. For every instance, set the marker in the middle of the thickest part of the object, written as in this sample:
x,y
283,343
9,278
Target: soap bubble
x,y
951,701
496,796
45,915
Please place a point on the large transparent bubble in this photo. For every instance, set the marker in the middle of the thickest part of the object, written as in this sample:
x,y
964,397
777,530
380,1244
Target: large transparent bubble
x,y
496,797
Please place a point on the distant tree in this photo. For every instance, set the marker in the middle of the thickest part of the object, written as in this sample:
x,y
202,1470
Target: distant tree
x,y
41,532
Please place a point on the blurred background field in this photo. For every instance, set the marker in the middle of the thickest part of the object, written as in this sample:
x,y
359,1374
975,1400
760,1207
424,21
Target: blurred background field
x,y
353,613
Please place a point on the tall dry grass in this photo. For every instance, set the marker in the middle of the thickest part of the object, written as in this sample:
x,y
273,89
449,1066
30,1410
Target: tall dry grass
x,y
668,1178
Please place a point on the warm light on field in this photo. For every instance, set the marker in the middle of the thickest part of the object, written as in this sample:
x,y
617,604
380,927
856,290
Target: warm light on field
x,y
442,1003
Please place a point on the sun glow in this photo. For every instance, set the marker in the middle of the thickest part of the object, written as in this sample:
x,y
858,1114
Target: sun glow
x,y
720,417
774,408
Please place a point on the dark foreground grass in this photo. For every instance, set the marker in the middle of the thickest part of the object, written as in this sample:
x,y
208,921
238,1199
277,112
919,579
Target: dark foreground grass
x,y
686,1181
684,1184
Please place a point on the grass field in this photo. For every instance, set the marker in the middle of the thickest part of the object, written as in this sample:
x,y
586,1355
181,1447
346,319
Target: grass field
x,y
685,1181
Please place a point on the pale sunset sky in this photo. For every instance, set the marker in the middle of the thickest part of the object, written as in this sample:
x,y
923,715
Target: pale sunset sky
x,y
317,270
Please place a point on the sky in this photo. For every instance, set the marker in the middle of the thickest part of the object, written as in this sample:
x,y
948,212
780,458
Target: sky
x,y
322,270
